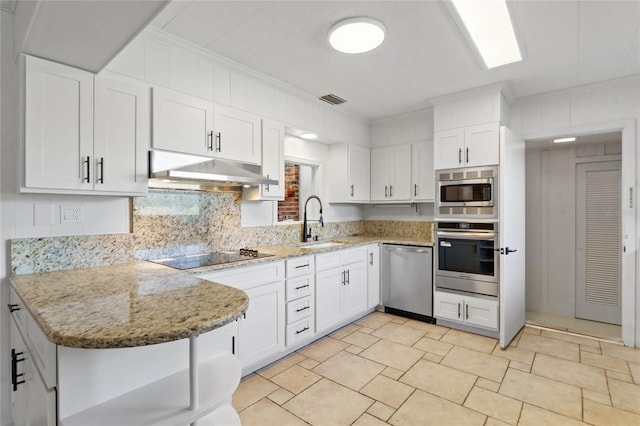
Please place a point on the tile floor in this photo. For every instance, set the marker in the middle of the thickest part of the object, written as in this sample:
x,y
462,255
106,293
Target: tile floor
x,y
385,369
575,325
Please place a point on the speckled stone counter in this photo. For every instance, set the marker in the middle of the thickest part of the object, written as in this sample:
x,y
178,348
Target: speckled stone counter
x,y
126,305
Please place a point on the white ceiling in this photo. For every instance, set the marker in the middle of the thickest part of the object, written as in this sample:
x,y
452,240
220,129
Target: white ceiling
x,y
567,43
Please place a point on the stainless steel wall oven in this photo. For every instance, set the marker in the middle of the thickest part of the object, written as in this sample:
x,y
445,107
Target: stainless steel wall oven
x,y
467,193
466,258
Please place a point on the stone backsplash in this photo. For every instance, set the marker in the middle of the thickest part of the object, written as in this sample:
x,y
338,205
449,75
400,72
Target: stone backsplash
x,y
172,223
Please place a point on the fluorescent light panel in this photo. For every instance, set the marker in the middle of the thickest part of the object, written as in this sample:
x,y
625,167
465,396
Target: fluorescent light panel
x,y
489,24
309,136
564,140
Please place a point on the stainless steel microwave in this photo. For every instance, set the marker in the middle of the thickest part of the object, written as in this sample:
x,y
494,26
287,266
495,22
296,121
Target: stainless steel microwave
x,y
468,192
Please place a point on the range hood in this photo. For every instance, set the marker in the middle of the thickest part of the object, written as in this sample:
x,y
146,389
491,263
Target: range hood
x,y
169,170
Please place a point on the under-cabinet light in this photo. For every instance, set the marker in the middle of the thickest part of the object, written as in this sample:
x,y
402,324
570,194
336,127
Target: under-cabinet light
x,y
489,25
564,140
309,136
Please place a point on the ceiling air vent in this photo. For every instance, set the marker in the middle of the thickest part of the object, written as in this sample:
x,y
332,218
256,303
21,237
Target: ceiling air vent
x,y
332,99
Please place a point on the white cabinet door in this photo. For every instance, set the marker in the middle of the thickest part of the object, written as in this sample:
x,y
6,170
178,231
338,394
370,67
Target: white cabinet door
x,y
373,276
272,163
58,126
355,289
182,123
122,129
447,149
481,145
448,306
423,172
358,173
400,173
237,135
18,392
262,328
329,285
481,312
379,174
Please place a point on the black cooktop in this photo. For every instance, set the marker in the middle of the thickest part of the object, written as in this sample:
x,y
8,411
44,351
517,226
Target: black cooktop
x,y
208,259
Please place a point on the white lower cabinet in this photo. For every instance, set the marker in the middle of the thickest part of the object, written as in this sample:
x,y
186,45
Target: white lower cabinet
x,y
341,287
300,299
469,310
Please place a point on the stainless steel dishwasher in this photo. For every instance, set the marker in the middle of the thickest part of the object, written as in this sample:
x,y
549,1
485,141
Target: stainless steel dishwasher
x,y
407,277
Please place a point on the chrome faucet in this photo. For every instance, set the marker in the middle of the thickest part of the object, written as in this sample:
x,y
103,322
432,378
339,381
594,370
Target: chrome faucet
x,y
306,234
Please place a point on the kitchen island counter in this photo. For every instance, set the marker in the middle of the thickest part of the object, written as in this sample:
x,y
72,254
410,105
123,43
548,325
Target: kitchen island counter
x,y
126,305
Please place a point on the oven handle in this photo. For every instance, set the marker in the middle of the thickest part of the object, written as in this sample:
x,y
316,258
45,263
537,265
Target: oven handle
x,y
489,236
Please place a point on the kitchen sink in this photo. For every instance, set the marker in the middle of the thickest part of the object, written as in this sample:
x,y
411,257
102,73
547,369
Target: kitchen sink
x,y
320,245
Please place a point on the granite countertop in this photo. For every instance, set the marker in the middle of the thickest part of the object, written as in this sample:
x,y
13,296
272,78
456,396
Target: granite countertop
x,y
126,305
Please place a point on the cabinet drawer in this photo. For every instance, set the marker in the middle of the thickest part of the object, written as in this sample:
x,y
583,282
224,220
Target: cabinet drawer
x,y
43,351
299,309
328,260
17,309
300,266
299,287
248,276
299,330
353,255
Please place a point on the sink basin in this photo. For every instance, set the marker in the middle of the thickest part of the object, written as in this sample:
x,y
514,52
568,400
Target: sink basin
x,y
320,245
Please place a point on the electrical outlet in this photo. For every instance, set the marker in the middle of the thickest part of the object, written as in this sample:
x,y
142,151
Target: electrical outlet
x,y
70,214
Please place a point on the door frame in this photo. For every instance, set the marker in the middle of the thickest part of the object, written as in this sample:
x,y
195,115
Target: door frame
x,y
630,220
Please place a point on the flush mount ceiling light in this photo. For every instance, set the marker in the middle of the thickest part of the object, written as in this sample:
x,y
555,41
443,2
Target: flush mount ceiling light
x,y
356,35
490,27
309,136
564,140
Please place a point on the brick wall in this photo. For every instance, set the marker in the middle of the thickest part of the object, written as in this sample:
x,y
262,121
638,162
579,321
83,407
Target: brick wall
x,y
289,209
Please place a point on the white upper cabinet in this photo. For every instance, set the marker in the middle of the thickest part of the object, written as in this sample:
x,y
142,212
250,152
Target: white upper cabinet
x,y
122,133
237,135
470,146
58,126
422,170
348,176
66,151
272,163
391,173
182,123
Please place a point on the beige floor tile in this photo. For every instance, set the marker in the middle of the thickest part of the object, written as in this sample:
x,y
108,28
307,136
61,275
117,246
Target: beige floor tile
x,y
605,362
433,346
353,349
384,389
369,420
381,411
494,405
266,413
349,370
327,403
435,335
295,379
279,366
549,394
584,341
280,396
309,363
625,395
571,373
361,339
251,389
590,349
470,341
558,348
531,330
621,352
478,363
515,354
374,320
425,410
520,366
635,372
494,422
535,416
619,376
392,354
596,396
603,415
323,349
487,384
399,334
433,358
440,380
366,330
345,331
399,320
426,327
392,373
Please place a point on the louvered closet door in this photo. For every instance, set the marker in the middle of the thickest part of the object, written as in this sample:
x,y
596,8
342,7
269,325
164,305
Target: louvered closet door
x,y
598,234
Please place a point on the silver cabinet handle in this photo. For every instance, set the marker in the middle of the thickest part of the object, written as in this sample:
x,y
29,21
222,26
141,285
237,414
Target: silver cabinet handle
x,y
266,187
386,191
87,162
210,141
352,190
415,189
371,258
348,277
344,277
101,164
459,155
467,155
466,310
458,310
390,190
218,142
